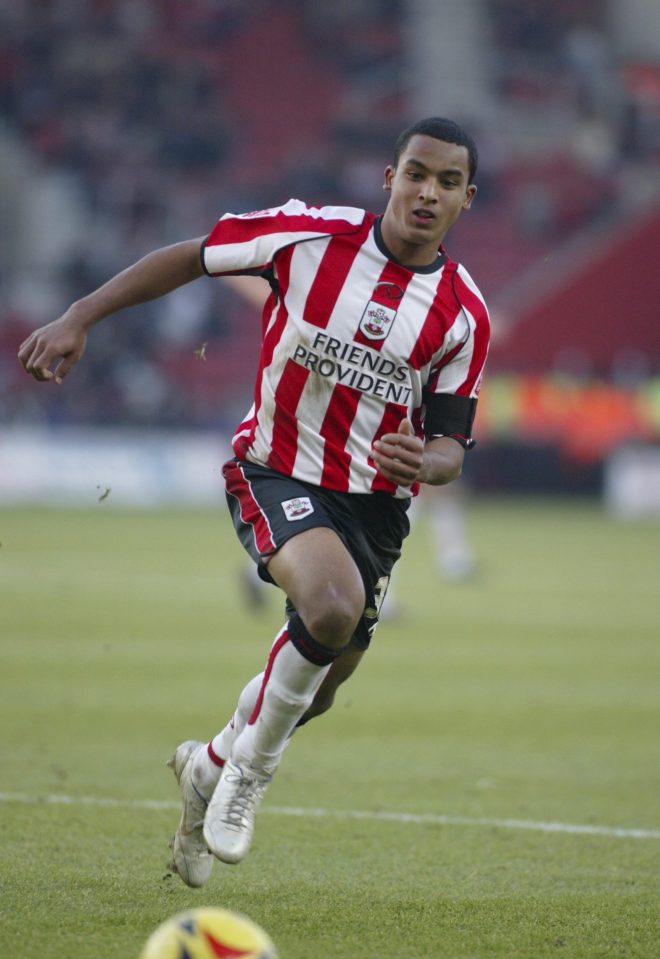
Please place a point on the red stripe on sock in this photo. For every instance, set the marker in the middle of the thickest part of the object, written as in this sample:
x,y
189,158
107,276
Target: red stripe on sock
x,y
213,756
277,645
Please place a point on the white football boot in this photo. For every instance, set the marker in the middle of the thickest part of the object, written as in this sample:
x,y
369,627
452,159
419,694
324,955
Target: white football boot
x,y
192,860
229,822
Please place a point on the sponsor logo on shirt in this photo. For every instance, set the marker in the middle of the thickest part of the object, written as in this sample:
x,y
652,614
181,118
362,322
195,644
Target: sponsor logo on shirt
x,y
297,508
359,367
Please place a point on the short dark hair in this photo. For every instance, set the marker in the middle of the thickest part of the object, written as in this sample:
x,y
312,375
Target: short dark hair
x,y
440,129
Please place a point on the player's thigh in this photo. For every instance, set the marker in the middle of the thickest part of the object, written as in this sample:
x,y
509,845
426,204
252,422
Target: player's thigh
x,y
321,579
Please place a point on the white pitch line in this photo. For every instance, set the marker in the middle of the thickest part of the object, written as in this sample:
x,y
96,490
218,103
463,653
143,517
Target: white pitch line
x,y
424,819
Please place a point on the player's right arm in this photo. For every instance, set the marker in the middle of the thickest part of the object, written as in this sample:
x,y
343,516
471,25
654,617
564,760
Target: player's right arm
x,y
63,341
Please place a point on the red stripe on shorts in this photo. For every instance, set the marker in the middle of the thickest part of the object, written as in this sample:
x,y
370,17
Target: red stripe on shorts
x,y
251,513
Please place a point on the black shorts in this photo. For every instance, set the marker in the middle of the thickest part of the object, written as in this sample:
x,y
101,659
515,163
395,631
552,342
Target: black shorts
x,y
268,508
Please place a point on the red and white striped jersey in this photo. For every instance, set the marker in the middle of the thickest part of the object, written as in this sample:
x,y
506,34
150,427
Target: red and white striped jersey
x,y
350,339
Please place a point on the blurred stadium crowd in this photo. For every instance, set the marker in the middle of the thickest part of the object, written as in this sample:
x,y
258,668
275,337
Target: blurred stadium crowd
x,y
129,124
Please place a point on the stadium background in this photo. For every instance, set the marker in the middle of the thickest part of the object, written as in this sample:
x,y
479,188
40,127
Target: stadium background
x,y
127,125
487,785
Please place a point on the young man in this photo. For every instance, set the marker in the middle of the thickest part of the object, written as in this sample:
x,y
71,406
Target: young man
x,y
372,353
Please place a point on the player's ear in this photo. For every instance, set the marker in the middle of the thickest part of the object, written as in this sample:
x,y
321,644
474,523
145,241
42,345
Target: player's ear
x,y
470,194
389,175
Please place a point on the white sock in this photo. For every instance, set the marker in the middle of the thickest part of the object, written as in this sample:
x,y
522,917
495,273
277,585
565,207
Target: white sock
x,y
222,743
208,763
289,686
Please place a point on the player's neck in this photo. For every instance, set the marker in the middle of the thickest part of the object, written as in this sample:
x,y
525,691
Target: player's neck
x,y
412,256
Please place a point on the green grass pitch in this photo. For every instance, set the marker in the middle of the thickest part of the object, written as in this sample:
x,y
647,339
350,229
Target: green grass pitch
x,y
529,695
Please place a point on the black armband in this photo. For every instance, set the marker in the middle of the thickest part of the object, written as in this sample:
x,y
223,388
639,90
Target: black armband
x,y
449,415
202,260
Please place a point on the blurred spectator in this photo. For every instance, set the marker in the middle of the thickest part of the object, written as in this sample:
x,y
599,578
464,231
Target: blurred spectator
x,y
129,123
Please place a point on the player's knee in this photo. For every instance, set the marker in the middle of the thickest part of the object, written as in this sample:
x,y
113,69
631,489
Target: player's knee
x,y
333,621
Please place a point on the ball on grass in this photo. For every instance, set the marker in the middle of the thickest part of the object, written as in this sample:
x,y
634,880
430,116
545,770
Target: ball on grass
x,y
209,933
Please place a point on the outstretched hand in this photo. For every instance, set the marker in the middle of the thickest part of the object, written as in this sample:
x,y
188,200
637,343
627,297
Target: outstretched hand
x,y
61,342
399,455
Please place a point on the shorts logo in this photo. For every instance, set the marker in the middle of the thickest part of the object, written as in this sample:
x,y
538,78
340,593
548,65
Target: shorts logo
x,y
376,321
297,508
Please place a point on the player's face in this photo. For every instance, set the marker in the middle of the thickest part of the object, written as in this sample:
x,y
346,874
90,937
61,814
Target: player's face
x,y
428,190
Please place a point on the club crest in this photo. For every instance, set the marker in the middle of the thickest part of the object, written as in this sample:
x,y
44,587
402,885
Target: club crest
x,y
297,508
376,321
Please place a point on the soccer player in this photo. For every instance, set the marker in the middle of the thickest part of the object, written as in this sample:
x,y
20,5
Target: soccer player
x,y
373,348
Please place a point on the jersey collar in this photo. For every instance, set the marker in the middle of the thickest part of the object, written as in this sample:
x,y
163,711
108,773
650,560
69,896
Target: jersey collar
x,y
380,243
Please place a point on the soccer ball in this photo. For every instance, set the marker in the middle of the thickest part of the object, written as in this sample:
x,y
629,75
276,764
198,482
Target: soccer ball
x,y
209,933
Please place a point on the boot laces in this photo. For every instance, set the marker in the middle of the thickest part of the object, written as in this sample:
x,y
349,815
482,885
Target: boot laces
x,y
246,793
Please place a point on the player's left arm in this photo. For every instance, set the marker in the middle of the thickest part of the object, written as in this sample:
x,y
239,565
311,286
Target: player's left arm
x,y
404,458
442,461
449,400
